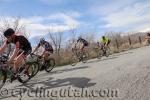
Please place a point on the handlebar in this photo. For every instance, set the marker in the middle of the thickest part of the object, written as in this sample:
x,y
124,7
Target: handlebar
x,y
32,54
3,58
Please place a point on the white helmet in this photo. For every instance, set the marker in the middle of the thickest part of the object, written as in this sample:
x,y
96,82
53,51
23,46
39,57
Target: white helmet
x,y
42,40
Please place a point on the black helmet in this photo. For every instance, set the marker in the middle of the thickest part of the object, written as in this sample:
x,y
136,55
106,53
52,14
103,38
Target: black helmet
x,y
103,37
148,34
9,32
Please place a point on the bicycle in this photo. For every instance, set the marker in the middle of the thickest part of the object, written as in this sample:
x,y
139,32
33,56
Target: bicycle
x,y
148,42
37,62
102,51
78,56
23,74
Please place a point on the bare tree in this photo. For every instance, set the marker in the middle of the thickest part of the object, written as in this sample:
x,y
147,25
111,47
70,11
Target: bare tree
x,y
56,39
73,33
13,23
72,37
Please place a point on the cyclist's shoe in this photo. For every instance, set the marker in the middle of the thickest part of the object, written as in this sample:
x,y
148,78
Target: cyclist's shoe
x,y
40,57
84,56
13,77
42,68
80,59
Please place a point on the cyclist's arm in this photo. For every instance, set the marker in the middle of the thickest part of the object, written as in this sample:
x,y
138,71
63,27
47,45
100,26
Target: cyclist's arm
x,y
12,57
43,53
15,52
36,48
75,46
148,37
5,45
106,43
101,41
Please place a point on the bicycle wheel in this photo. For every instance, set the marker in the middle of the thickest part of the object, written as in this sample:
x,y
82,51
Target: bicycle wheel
x,y
99,54
108,52
49,65
85,57
35,67
24,73
3,77
73,60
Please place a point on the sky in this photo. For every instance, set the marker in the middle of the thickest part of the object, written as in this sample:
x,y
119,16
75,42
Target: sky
x,y
86,16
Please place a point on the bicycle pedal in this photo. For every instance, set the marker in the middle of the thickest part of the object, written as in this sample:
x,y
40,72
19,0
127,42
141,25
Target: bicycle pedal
x,y
42,68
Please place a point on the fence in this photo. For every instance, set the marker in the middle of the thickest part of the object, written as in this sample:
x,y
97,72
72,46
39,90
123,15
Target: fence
x,y
128,42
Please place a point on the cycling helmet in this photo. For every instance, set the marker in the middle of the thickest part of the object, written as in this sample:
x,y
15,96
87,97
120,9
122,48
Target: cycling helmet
x,y
103,37
148,34
79,37
9,32
42,40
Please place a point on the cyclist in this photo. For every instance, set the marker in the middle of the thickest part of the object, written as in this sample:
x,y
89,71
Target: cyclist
x,y
104,44
105,41
82,43
148,37
48,49
22,49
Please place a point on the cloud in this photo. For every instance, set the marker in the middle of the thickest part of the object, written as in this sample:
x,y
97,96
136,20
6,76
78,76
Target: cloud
x,y
40,25
126,15
130,15
110,6
68,20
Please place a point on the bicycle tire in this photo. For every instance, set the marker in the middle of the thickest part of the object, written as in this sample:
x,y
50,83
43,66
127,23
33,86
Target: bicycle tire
x,y
36,68
3,77
73,60
50,64
24,71
85,57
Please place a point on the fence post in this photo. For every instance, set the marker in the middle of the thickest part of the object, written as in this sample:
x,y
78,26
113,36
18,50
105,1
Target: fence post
x,y
117,44
130,41
140,40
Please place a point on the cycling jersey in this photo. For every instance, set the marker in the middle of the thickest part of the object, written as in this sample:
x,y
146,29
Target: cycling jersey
x,y
46,46
21,43
105,40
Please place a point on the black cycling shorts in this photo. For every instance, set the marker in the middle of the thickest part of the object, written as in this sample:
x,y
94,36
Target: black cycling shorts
x,y
86,44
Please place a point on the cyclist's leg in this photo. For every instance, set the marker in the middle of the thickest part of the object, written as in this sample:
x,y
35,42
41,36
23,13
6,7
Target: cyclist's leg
x,y
11,62
21,58
107,47
103,48
85,49
46,55
18,61
82,47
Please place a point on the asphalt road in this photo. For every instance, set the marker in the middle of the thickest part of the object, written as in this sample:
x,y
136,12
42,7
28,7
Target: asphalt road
x,y
122,76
